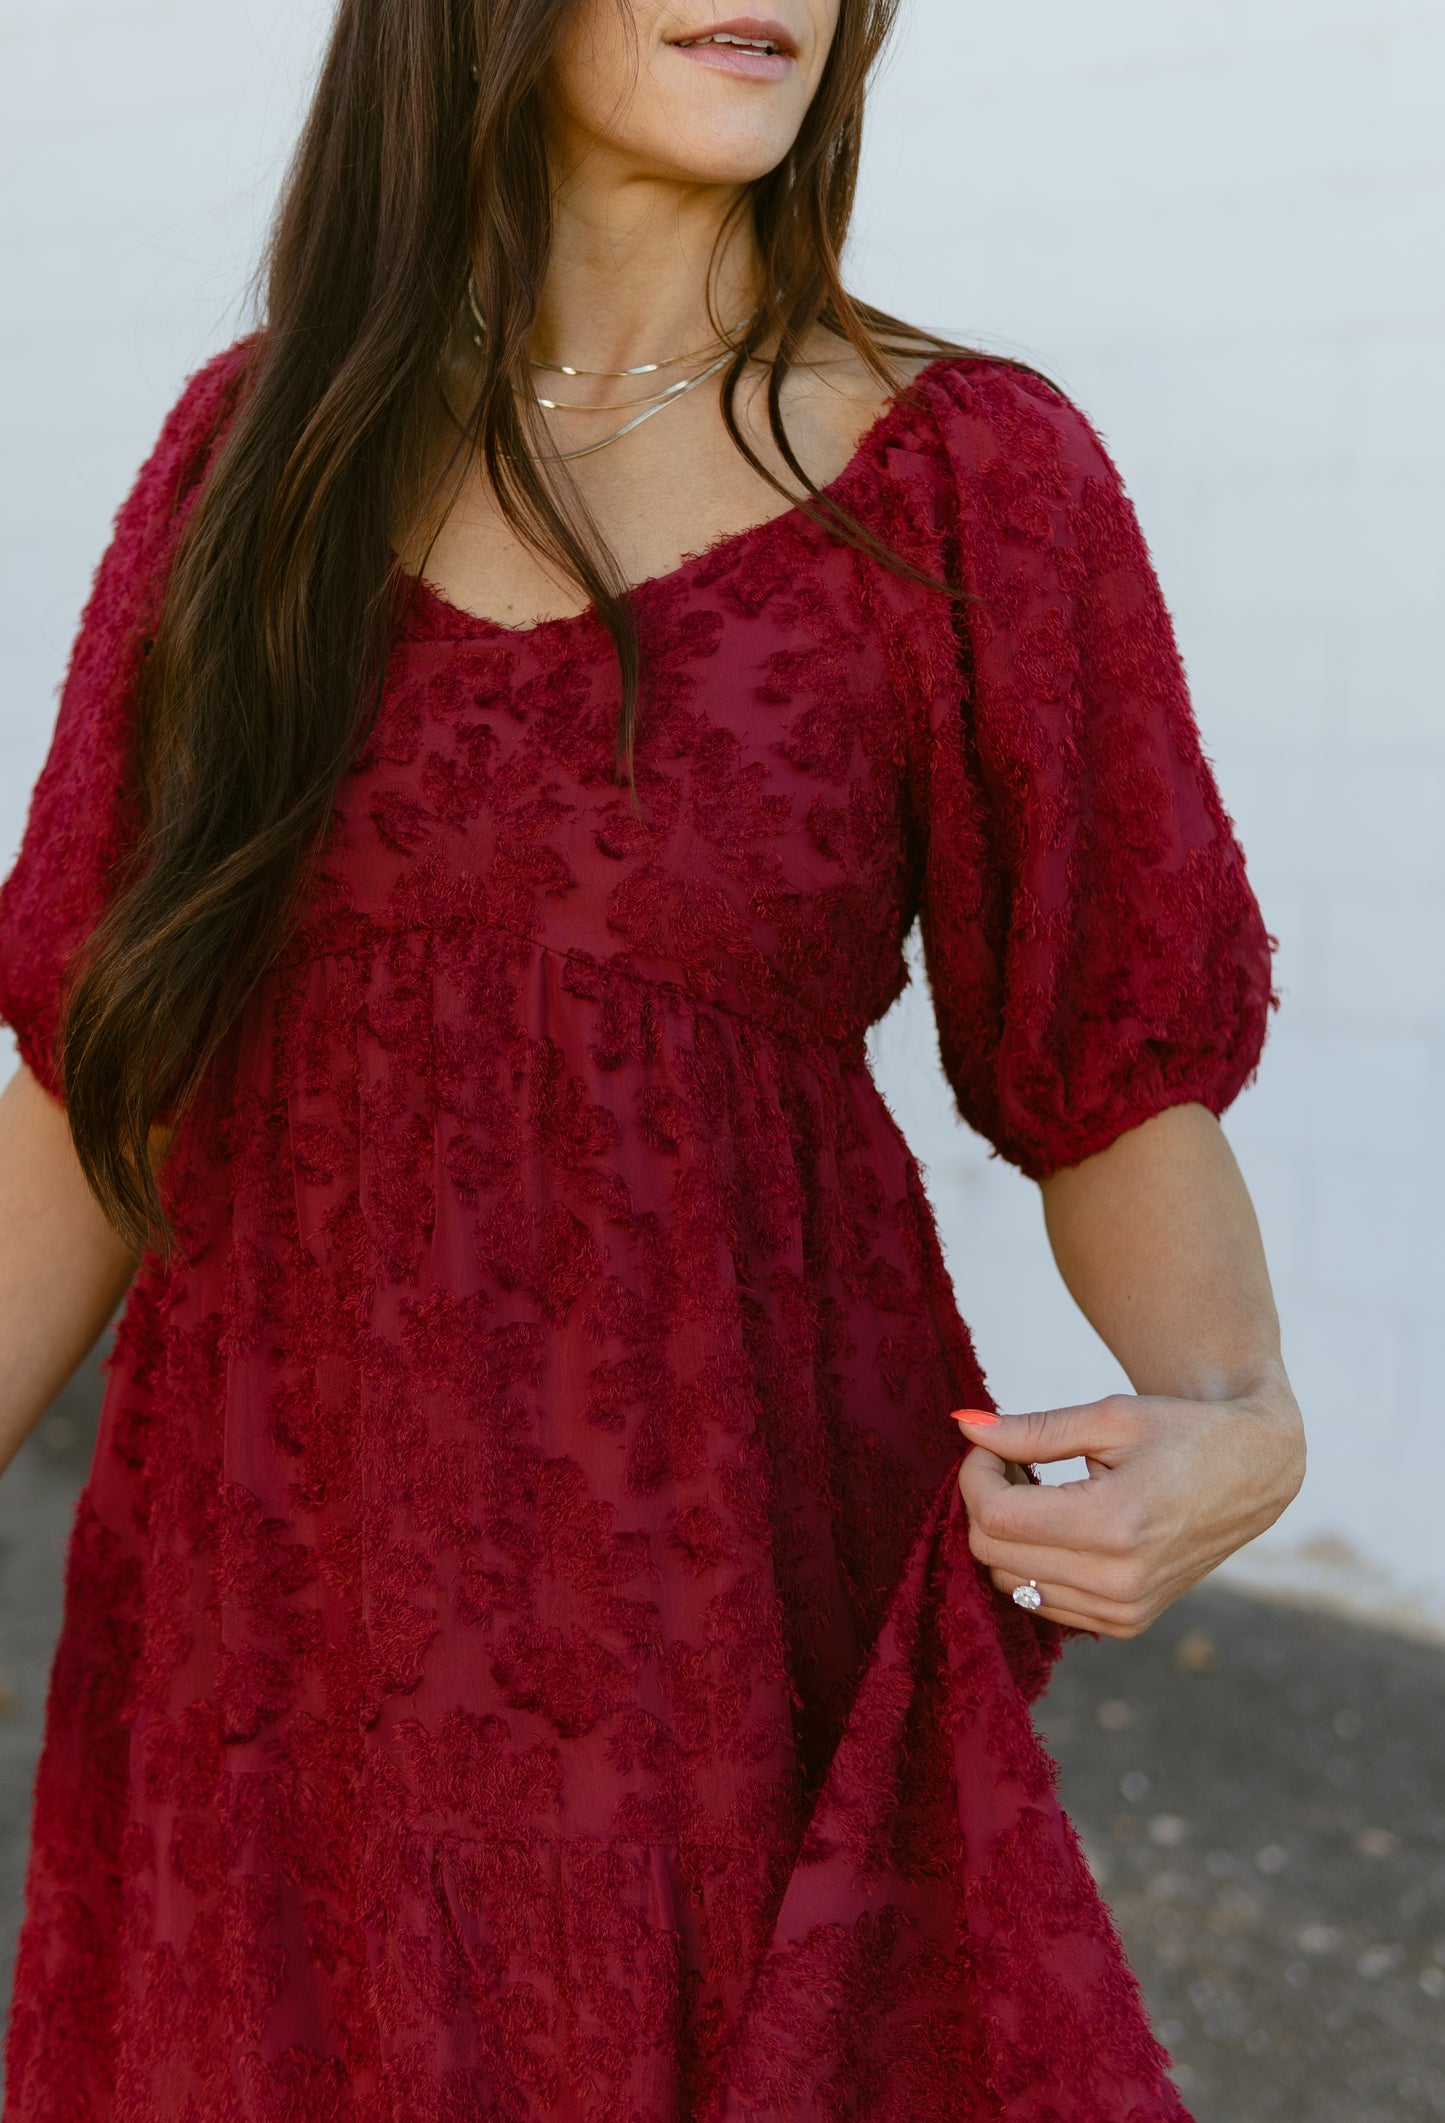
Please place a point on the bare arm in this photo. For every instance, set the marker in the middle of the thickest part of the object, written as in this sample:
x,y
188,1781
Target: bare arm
x,y
1157,1240
63,1270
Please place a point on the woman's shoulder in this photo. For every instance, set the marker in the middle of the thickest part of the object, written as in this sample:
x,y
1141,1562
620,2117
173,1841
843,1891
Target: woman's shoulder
x,y
992,412
970,415
206,400
175,466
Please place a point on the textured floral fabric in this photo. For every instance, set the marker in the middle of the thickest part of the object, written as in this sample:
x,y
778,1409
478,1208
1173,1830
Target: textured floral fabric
x,y
522,1655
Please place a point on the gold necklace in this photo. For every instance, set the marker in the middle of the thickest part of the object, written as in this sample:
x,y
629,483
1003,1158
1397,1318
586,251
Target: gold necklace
x,y
564,368
640,368
661,406
652,402
613,405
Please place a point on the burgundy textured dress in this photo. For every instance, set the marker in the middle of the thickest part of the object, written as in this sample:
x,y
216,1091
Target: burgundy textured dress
x,y
522,1655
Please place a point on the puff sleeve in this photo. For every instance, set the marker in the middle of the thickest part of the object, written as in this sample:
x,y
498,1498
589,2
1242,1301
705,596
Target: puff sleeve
x,y
1094,949
82,817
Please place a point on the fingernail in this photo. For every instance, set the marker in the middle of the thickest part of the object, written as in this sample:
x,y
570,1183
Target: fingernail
x,y
978,1416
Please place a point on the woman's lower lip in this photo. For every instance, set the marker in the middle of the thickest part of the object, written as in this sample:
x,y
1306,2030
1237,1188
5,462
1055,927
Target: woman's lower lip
x,y
732,59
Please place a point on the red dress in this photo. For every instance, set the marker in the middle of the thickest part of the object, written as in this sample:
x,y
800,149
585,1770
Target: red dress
x,y
522,1655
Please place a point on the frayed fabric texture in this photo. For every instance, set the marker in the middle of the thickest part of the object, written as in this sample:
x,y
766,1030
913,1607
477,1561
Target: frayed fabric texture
x,y
522,1655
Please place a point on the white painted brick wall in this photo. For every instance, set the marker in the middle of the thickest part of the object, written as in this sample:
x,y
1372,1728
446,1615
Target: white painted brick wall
x,y
1220,228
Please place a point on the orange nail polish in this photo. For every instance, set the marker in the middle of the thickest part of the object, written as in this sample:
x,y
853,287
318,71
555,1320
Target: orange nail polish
x,y
979,1416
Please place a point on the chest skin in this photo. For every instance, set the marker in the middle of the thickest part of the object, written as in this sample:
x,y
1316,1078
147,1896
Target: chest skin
x,y
672,488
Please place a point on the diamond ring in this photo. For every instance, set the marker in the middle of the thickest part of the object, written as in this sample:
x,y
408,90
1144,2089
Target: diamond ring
x,y
1028,1596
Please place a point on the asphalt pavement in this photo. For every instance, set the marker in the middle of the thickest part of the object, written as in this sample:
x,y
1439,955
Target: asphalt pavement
x,y
1261,1794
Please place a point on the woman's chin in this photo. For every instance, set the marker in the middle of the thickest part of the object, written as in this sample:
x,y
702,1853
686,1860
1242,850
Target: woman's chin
x,y
709,153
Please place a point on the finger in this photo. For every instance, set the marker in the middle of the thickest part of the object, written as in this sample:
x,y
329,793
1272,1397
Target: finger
x,y
1126,1582
987,1485
1099,1430
1090,1624
988,1496
1102,1515
1067,1617
1113,1592
1078,1609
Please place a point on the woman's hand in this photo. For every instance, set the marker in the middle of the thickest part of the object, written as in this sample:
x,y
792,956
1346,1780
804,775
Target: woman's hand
x,y
1157,1240
1174,1486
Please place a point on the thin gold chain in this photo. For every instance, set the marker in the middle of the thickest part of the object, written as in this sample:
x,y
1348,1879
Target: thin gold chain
x,y
549,456
564,368
655,402
557,456
613,405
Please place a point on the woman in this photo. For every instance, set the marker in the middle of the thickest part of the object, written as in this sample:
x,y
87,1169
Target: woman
x,y
533,1646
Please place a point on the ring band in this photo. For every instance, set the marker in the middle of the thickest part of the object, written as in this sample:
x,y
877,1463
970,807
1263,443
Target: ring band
x,y
1028,1596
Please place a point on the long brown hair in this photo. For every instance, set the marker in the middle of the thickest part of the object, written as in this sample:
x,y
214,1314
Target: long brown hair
x,y
424,154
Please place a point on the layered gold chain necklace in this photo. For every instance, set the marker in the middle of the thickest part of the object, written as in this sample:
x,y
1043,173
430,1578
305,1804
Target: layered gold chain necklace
x,y
651,402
